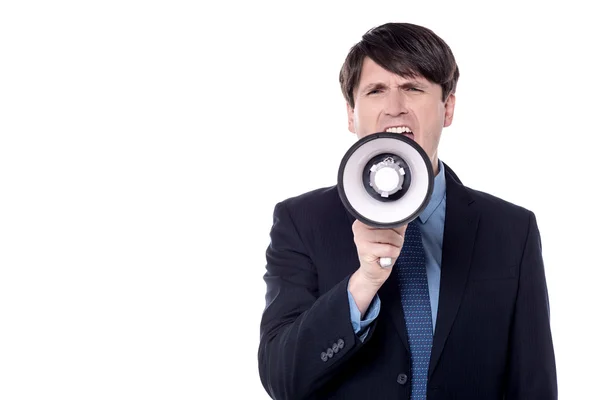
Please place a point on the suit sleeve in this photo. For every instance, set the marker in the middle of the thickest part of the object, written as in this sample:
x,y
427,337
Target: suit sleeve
x,y
532,368
305,336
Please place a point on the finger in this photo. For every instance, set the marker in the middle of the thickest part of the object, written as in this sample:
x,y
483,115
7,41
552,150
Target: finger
x,y
389,236
385,236
401,230
363,232
375,251
360,226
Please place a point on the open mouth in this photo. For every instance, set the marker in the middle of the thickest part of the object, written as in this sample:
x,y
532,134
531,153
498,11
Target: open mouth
x,y
403,130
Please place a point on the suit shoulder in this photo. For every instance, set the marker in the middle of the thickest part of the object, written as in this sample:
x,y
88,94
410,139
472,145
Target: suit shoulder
x,y
321,198
498,206
489,204
314,198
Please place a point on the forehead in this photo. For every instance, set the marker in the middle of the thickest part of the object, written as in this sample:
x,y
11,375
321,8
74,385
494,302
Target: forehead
x,y
373,73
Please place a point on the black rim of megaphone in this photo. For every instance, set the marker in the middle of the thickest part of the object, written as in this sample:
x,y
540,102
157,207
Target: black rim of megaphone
x,y
351,151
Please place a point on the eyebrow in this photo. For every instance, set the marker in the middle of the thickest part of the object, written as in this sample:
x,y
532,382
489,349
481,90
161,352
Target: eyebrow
x,y
381,85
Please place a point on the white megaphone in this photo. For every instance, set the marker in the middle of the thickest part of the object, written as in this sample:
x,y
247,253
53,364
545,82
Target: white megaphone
x,y
385,180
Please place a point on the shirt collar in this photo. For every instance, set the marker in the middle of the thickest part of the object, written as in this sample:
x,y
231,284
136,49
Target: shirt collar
x,y
439,193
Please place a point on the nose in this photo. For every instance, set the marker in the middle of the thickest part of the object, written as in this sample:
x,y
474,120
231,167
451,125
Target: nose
x,y
396,103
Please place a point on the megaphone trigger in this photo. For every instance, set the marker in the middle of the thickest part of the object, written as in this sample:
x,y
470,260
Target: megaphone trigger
x,y
385,262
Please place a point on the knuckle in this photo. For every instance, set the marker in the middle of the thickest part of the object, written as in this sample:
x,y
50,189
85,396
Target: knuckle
x,y
391,249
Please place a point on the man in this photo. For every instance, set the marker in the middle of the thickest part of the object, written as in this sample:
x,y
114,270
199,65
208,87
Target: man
x,y
463,313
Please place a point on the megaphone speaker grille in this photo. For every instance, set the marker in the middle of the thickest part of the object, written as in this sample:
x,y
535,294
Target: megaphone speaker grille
x,y
386,177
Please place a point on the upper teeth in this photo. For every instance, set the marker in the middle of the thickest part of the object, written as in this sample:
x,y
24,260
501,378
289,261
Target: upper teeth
x,y
399,129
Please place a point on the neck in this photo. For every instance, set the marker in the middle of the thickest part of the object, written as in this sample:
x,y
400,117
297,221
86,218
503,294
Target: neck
x,y
434,164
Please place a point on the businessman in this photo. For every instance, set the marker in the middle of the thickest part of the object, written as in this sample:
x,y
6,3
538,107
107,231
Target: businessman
x,y
464,311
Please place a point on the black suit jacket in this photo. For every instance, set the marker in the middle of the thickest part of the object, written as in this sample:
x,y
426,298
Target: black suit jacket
x,y
492,338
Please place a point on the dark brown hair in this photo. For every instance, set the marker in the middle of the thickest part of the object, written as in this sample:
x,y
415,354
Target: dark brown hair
x,y
405,49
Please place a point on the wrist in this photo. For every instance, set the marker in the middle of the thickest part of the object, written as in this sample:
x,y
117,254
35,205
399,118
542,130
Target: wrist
x,y
362,290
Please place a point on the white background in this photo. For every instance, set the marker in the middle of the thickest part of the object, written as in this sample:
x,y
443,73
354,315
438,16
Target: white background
x,y
143,146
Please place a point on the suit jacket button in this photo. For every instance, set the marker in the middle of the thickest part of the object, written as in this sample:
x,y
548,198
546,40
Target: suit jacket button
x,y
340,344
402,379
335,348
329,353
324,356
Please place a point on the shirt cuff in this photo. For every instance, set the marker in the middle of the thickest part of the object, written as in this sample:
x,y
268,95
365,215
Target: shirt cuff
x,y
361,327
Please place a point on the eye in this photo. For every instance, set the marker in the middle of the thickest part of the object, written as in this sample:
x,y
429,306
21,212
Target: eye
x,y
374,91
414,89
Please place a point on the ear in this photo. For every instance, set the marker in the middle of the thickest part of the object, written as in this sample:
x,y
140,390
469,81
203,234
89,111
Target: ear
x,y
449,110
350,112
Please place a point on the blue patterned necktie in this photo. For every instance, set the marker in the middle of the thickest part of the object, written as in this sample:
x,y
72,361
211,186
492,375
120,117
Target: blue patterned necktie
x,y
414,293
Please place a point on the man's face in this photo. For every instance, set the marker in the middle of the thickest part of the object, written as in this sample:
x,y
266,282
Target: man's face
x,y
387,102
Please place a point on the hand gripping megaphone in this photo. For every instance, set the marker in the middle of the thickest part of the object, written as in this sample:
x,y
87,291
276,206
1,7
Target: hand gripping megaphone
x,y
385,180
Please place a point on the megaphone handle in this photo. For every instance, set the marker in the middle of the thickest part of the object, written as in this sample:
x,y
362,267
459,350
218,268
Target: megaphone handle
x,y
385,262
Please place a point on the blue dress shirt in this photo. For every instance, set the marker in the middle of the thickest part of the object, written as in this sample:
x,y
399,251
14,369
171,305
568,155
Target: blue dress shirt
x,y
431,222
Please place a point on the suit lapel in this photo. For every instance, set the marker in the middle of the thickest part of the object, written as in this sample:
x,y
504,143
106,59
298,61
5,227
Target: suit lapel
x,y
460,229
